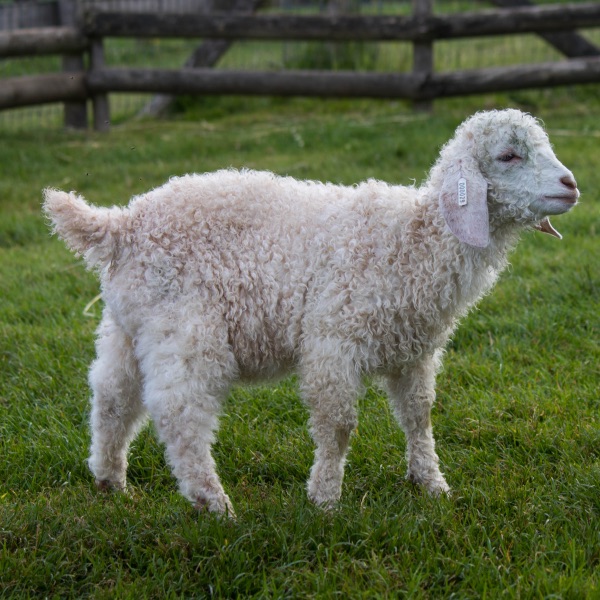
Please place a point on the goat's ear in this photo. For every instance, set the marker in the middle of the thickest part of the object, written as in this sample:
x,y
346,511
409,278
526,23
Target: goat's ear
x,y
463,202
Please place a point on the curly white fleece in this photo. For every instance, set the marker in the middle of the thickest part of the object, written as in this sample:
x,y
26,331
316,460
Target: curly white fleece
x,y
242,275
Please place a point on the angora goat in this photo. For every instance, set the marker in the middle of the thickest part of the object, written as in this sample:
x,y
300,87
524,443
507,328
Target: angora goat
x,y
239,275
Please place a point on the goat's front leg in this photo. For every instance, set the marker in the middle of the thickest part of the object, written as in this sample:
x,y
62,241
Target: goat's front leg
x,y
330,389
412,394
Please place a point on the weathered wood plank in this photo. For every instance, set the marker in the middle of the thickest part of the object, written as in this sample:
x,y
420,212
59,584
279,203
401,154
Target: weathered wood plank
x,y
423,51
343,83
345,27
498,79
22,91
41,40
569,43
217,81
100,101
42,89
75,113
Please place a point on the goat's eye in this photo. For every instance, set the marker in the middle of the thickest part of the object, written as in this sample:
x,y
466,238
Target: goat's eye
x,y
507,157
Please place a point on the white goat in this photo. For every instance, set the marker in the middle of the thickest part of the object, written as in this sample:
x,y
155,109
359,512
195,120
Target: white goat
x,y
234,275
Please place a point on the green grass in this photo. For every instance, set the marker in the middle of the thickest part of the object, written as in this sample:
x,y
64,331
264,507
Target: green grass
x,y
517,418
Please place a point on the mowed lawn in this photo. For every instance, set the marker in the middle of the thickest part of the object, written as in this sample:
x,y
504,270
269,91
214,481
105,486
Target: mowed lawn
x,y
517,417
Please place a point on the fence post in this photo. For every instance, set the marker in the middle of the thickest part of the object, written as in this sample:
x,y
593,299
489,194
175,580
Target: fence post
x,y
422,52
75,112
99,101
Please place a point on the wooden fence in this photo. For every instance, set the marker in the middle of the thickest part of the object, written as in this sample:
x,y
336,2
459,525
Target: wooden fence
x,y
73,36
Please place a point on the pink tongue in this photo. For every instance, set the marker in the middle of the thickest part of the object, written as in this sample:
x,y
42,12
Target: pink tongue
x,y
546,227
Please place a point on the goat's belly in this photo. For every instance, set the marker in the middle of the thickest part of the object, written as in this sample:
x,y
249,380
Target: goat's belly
x,y
263,344
261,356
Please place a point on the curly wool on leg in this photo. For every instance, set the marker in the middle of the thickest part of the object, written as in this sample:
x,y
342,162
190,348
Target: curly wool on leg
x,y
330,389
412,394
186,383
117,410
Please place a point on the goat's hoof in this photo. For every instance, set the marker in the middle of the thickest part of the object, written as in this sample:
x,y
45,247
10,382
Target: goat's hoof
x,y
324,502
219,506
327,506
440,490
105,485
435,486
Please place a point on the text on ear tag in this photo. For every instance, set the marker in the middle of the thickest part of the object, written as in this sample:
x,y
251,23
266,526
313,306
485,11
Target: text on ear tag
x,y
462,192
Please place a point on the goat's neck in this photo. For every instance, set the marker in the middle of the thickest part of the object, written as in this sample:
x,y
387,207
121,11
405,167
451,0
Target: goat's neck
x,y
471,272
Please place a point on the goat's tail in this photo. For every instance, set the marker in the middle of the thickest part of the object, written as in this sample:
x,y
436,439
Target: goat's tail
x,y
90,231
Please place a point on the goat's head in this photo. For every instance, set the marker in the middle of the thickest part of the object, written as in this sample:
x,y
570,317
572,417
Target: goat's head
x,y
500,168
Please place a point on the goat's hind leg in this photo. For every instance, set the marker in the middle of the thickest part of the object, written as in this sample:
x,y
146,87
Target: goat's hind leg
x,y
185,384
412,394
117,410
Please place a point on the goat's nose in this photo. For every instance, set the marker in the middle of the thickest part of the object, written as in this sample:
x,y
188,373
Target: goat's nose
x,y
569,182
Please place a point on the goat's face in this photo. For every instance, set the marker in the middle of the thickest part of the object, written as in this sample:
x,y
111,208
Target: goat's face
x,y
526,182
498,170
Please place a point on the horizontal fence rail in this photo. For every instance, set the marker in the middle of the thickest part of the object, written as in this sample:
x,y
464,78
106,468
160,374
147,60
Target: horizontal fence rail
x,y
344,84
42,40
528,19
43,89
